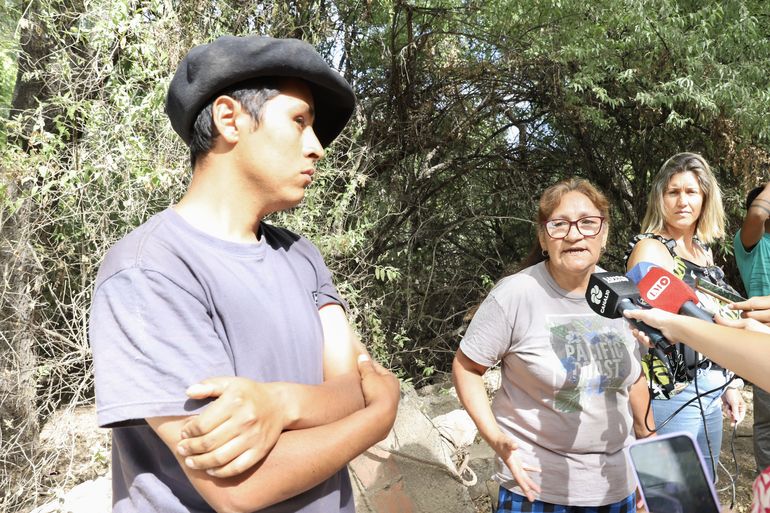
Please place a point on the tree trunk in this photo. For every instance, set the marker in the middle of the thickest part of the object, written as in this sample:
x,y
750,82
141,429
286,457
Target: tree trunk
x,y
30,87
18,417
19,424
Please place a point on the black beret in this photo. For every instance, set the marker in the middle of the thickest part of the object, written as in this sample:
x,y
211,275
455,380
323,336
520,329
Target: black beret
x,y
211,68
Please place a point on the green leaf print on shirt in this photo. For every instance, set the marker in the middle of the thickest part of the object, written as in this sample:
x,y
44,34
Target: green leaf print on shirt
x,y
596,357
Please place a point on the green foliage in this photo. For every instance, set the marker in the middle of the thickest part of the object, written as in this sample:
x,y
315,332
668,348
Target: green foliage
x,y
467,111
8,55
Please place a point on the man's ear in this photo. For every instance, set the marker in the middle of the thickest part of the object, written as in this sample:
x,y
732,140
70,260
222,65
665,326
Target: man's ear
x,y
225,112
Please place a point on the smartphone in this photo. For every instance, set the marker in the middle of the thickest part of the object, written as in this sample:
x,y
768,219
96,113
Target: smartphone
x,y
722,294
672,475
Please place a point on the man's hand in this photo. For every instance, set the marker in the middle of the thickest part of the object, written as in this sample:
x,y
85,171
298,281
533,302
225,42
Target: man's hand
x,y
506,448
381,389
237,430
654,317
757,307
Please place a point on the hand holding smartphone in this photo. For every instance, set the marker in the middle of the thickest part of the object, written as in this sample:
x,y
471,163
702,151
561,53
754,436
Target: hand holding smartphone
x,y
672,475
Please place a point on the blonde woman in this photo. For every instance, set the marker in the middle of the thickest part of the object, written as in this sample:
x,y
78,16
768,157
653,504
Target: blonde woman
x,y
685,214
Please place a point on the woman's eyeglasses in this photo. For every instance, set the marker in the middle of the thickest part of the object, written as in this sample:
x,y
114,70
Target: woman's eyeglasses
x,y
587,226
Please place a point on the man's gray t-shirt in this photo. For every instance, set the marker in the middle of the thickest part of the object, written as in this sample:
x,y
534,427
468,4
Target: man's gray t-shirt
x,y
565,389
172,306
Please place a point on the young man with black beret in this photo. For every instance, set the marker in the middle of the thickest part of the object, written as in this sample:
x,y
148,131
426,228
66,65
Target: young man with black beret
x,y
206,302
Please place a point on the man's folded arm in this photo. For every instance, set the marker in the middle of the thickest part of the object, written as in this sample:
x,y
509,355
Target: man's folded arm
x,y
302,458
303,406
241,425
340,394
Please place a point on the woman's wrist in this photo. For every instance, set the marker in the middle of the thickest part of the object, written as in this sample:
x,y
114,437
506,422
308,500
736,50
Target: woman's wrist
x,y
675,328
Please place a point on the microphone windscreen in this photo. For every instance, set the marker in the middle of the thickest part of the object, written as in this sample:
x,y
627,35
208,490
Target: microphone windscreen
x,y
605,292
639,271
661,289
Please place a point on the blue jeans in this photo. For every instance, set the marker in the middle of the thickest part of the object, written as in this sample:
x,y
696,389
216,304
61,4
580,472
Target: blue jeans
x,y
689,419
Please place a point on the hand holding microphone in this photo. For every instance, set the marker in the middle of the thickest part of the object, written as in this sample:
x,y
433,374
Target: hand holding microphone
x,y
612,294
654,317
744,324
738,345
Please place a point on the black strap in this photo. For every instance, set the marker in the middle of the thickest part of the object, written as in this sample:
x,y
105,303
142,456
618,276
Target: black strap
x,y
669,243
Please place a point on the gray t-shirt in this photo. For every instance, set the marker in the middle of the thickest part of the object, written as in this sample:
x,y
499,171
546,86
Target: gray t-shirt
x,y
172,306
564,396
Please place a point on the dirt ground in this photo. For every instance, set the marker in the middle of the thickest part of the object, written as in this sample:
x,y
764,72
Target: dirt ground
x,y
744,460
73,450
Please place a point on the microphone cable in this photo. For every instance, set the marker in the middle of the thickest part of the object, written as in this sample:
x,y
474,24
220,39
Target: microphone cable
x,y
705,425
733,483
697,397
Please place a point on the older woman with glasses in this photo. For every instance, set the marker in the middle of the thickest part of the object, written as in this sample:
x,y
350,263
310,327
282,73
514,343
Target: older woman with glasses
x,y
684,214
573,394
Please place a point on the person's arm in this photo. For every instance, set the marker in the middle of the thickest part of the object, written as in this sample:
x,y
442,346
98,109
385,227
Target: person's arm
x,y
652,251
341,344
239,428
466,375
739,345
301,458
641,409
754,223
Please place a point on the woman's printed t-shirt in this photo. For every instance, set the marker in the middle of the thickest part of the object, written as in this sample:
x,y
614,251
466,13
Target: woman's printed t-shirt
x,y
565,392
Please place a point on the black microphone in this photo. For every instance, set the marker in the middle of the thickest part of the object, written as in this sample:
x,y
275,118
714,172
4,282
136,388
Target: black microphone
x,y
611,294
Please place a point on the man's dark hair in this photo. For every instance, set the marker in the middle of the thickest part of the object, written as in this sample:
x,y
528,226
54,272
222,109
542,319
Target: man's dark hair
x,y
752,195
252,95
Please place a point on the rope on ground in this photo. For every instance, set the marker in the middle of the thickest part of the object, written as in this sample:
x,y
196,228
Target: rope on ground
x,y
455,473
